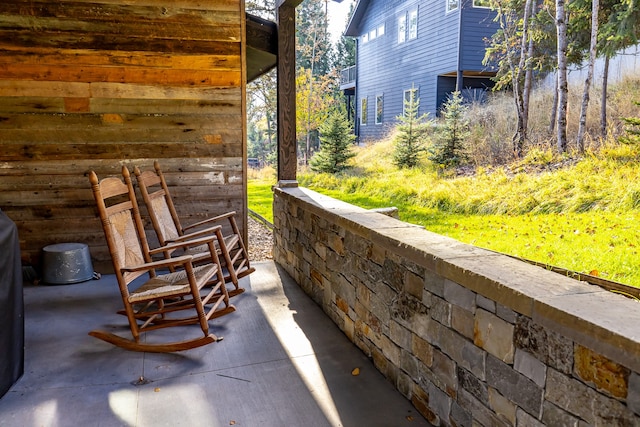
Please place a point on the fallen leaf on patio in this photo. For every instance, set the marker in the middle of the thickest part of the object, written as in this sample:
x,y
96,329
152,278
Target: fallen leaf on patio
x,y
355,372
232,423
157,389
409,418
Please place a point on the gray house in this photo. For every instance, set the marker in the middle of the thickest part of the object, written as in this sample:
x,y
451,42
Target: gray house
x,y
432,47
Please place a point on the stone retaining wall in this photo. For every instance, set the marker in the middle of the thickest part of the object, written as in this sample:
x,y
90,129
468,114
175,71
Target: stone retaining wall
x,y
471,337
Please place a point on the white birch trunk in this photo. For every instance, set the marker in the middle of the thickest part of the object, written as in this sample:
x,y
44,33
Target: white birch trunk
x,y
603,105
563,88
595,7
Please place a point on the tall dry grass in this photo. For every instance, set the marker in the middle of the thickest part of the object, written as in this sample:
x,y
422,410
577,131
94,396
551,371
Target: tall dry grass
x,y
494,123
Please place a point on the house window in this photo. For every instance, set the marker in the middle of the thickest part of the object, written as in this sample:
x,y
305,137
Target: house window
x,y
452,5
379,109
373,34
363,111
481,3
413,24
410,99
402,29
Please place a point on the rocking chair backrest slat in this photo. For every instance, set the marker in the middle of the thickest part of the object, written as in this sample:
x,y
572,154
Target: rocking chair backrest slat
x,y
127,245
161,215
126,250
155,193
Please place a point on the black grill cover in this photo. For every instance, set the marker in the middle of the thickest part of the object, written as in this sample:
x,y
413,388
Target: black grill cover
x,y
11,306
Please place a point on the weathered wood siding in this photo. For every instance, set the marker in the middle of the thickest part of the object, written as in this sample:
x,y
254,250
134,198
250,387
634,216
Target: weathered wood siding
x,y
92,85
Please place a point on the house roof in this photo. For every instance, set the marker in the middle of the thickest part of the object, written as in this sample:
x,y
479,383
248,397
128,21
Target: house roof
x,y
262,46
353,27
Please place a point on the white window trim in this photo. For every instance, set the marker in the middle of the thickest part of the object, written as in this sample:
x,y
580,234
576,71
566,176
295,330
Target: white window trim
x,y
412,31
364,111
381,99
402,28
404,97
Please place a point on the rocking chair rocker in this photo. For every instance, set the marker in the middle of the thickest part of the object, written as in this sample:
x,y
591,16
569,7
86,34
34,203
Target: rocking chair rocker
x,y
166,223
155,302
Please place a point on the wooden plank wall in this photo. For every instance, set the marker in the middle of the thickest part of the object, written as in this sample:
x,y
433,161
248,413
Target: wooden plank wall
x,y
92,85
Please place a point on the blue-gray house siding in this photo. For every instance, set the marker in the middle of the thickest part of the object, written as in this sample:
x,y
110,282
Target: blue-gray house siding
x,y
429,62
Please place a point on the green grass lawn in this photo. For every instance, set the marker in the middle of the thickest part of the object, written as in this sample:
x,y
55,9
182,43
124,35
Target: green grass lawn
x,y
582,218
261,197
604,244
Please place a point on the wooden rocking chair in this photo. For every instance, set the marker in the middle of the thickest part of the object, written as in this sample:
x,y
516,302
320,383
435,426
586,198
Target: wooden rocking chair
x,y
155,303
166,223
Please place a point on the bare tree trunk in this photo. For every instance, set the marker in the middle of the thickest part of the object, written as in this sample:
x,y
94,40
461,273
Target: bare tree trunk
x,y
520,86
528,79
269,137
554,106
563,88
603,105
595,7
515,74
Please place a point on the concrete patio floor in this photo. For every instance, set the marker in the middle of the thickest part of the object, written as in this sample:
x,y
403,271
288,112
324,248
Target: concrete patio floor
x,y
282,363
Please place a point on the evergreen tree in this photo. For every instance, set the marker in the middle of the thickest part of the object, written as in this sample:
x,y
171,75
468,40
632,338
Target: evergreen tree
x,y
412,134
346,53
336,138
346,47
633,131
449,146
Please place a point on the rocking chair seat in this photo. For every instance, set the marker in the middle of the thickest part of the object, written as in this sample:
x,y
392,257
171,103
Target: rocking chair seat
x,y
171,284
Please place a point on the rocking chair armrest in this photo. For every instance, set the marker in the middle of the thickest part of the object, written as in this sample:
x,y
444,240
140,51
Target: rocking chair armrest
x,y
196,234
169,262
183,244
209,220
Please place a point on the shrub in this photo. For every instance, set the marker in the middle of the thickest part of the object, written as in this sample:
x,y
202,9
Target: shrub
x,y
632,131
336,142
411,134
449,149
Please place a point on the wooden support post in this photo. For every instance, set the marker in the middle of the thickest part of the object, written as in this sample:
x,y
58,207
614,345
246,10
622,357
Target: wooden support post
x,y
287,150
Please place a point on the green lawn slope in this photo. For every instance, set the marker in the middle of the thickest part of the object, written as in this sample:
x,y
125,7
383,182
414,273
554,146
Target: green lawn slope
x,y
582,215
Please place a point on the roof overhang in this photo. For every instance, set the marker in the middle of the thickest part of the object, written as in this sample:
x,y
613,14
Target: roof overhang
x,y
353,27
262,46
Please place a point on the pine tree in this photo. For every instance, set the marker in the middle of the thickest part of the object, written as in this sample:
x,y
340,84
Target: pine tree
x,y
412,134
336,140
449,146
346,47
633,130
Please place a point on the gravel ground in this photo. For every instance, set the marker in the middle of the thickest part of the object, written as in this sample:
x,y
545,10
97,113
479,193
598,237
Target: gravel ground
x,y
260,241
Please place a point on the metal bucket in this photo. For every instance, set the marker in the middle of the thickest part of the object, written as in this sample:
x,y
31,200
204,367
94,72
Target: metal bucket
x,y
65,263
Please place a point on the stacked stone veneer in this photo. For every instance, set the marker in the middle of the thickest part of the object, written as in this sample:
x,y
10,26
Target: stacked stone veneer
x,y
471,337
